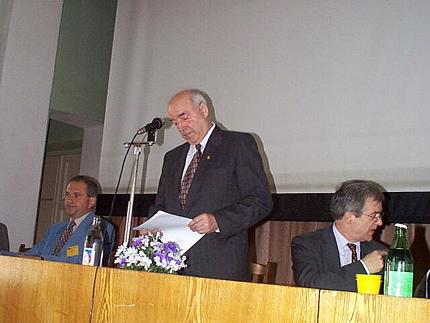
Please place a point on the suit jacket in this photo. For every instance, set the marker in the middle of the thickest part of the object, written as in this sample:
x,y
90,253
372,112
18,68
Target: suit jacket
x,y
4,238
231,184
423,287
46,247
316,261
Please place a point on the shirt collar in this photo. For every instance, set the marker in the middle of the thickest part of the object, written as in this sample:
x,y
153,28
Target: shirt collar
x,y
341,241
80,220
204,141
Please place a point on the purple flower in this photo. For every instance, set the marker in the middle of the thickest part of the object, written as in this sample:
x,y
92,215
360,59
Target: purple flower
x,y
163,257
171,247
160,254
136,242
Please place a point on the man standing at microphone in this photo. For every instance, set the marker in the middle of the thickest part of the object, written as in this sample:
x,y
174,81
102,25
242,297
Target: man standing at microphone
x,y
217,180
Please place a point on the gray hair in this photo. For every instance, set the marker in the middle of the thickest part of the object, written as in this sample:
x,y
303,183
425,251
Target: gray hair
x,y
197,97
352,196
93,185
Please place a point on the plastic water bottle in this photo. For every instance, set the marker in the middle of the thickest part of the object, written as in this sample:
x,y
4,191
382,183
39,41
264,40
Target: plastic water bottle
x,y
399,266
93,247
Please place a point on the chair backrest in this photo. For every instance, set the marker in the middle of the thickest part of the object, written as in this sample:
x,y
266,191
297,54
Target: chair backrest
x,y
22,248
4,238
264,273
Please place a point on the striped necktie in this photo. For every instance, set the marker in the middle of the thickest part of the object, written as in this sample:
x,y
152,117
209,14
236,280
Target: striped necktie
x,y
188,177
64,236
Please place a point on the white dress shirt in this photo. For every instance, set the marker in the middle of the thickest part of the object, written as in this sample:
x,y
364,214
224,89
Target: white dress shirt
x,y
345,254
192,150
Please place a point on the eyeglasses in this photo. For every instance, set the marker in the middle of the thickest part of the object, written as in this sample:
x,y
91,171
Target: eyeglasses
x,y
375,216
75,196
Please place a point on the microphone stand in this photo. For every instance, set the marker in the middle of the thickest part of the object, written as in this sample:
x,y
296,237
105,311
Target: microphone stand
x,y
427,284
136,152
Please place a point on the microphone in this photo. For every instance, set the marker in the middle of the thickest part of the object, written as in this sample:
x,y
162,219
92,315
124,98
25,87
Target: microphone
x,y
154,125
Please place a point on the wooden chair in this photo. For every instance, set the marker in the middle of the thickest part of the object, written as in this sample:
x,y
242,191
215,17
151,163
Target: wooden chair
x,y
265,274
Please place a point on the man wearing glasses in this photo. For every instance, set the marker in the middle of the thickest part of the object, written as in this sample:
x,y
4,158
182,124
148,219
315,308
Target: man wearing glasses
x,y
330,258
65,241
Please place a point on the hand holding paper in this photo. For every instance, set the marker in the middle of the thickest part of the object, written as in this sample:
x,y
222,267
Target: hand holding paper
x,y
204,223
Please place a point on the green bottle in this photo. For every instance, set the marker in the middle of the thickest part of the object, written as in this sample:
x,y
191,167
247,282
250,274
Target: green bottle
x,y
399,266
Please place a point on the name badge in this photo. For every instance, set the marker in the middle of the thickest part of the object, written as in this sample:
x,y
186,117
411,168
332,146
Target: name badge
x,y
73,251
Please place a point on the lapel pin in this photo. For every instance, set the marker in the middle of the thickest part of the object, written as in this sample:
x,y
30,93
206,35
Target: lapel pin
x,y
208,157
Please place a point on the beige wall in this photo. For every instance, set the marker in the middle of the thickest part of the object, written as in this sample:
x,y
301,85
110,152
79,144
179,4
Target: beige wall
x,y
334,89
25,88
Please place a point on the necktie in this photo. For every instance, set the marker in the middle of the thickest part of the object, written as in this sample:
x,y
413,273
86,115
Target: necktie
x,y
353,251
64,236
188,177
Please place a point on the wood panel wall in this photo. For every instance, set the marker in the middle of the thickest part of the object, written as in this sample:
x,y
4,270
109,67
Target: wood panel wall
x,y
123,296
42,291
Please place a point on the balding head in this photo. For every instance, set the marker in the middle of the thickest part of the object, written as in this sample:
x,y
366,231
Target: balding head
x,y
189,112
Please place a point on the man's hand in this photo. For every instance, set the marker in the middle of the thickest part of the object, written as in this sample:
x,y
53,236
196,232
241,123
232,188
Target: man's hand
x,y
375,261
204,223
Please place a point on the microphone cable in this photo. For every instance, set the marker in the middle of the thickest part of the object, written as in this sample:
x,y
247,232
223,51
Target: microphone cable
x,y
112,204
149,130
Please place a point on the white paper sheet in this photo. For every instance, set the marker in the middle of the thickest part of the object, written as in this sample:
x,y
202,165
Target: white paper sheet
x,y
174,227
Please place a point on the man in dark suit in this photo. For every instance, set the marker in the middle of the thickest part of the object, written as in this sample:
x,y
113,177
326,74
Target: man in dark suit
x,y
228,193
4,238
423,287
330,258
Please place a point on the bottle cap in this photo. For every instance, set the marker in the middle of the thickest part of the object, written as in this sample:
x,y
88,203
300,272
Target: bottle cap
x,y
401,225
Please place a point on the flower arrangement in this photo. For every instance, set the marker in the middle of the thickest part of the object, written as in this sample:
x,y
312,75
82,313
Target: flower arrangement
x,y
150,253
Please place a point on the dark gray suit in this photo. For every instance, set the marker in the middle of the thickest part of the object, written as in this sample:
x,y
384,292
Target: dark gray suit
x,y
231,184
4,238
423,287
316,261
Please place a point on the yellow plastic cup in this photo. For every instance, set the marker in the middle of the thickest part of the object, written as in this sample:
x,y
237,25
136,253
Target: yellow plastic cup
x,y
368,284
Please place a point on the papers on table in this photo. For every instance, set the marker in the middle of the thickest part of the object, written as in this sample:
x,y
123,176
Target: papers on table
x,y
174,228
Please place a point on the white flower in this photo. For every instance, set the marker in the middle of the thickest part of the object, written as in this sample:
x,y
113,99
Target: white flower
x,y
165,255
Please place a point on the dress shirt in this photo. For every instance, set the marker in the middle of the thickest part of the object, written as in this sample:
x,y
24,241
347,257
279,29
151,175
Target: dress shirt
x,y
192,150
79,221
345,254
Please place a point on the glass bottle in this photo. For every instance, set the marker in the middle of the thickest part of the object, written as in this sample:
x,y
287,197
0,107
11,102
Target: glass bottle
x,y
399,266
93,247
